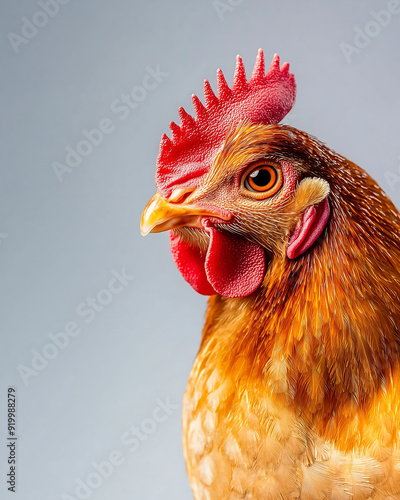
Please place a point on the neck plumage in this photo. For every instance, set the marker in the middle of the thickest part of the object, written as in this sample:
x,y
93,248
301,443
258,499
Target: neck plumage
x,y
322,333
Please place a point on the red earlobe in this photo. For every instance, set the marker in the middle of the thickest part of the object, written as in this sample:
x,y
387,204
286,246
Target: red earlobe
x,y
308,229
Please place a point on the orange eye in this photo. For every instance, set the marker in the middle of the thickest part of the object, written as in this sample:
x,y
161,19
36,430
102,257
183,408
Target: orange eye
x,y
263,180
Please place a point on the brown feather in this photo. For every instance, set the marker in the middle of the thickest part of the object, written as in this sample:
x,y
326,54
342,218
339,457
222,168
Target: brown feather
x,y
300,383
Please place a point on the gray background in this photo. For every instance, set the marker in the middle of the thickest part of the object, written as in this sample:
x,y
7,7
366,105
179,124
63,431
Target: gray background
x,y
61,241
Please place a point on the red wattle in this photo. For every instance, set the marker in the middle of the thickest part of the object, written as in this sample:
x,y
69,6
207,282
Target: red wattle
x,y
234,266
191,263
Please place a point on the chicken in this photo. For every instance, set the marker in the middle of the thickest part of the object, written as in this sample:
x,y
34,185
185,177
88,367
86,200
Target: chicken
x,y
295,391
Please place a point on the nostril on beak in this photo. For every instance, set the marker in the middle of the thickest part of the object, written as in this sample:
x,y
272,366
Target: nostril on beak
x,y
179,195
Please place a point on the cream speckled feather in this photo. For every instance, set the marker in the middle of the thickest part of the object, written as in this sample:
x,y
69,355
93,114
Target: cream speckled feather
x,y
251,446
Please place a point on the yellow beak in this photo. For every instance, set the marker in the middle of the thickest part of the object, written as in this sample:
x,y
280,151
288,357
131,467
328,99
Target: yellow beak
x,y
161,215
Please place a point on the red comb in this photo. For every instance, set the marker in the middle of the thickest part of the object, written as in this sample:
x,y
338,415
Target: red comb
x,y
264,99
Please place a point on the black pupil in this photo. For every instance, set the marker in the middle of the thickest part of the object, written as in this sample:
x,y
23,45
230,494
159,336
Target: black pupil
x,y
261,177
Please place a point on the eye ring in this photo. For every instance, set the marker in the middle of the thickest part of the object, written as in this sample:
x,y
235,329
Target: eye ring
x,y
262,180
